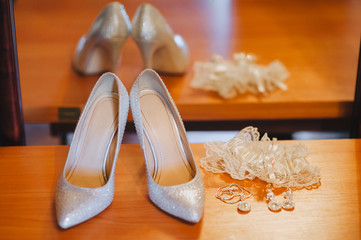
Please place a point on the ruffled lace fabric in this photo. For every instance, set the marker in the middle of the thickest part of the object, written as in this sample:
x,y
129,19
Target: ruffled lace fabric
x,y
247,157
241,75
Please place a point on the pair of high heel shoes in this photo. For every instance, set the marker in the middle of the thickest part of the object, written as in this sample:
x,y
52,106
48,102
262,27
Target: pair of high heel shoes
x,y
161,49
86,186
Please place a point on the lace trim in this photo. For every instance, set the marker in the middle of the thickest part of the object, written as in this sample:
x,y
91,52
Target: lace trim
x,y
239,76
247,157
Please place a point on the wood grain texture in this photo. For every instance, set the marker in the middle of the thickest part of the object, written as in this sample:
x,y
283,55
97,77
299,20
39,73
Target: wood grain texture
x,y
28,177
317,41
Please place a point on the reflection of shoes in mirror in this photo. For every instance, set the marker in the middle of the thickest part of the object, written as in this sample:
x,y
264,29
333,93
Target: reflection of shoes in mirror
x,y
99,50
174,182
161,49
86,185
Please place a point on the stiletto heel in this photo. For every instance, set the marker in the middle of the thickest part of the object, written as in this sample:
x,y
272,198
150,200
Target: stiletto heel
x,y
99,50
148,49
86,185
174,181
161,49
114,49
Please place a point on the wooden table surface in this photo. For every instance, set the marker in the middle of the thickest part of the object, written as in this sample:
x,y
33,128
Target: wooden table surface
x,y
28,177
317,41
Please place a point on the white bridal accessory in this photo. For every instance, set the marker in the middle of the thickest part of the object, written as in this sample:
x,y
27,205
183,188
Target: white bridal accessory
x,y
275,206
288,203
246,156
233,193
240,75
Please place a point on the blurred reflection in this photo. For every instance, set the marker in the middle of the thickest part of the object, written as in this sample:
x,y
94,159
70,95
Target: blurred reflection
x,y
220,26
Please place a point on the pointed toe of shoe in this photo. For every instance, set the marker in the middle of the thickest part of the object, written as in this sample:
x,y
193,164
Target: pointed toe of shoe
x,y
184,201
189,205
75,205
188,212
193,213
66,220
69,210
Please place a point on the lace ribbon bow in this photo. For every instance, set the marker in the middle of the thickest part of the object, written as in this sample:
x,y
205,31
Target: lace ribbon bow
x,y
247,157
239,76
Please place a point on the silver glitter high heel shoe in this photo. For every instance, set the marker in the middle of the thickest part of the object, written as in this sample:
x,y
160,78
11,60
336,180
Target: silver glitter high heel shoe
x,y
99,50
86,185
161,49
174,182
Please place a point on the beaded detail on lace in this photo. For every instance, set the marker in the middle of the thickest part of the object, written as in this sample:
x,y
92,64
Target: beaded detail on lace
x,y
239,76
247,157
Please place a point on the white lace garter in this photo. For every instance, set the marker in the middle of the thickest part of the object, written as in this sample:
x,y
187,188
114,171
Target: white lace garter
x,y
240,75
247,157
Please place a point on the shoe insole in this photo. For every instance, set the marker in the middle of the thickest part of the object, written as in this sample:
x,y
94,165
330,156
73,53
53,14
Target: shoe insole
x,y
164,151
94,154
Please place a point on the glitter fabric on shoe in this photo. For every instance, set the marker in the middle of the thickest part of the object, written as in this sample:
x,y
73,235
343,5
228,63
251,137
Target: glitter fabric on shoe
x,y
86,185
161,49
174,182
99,50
